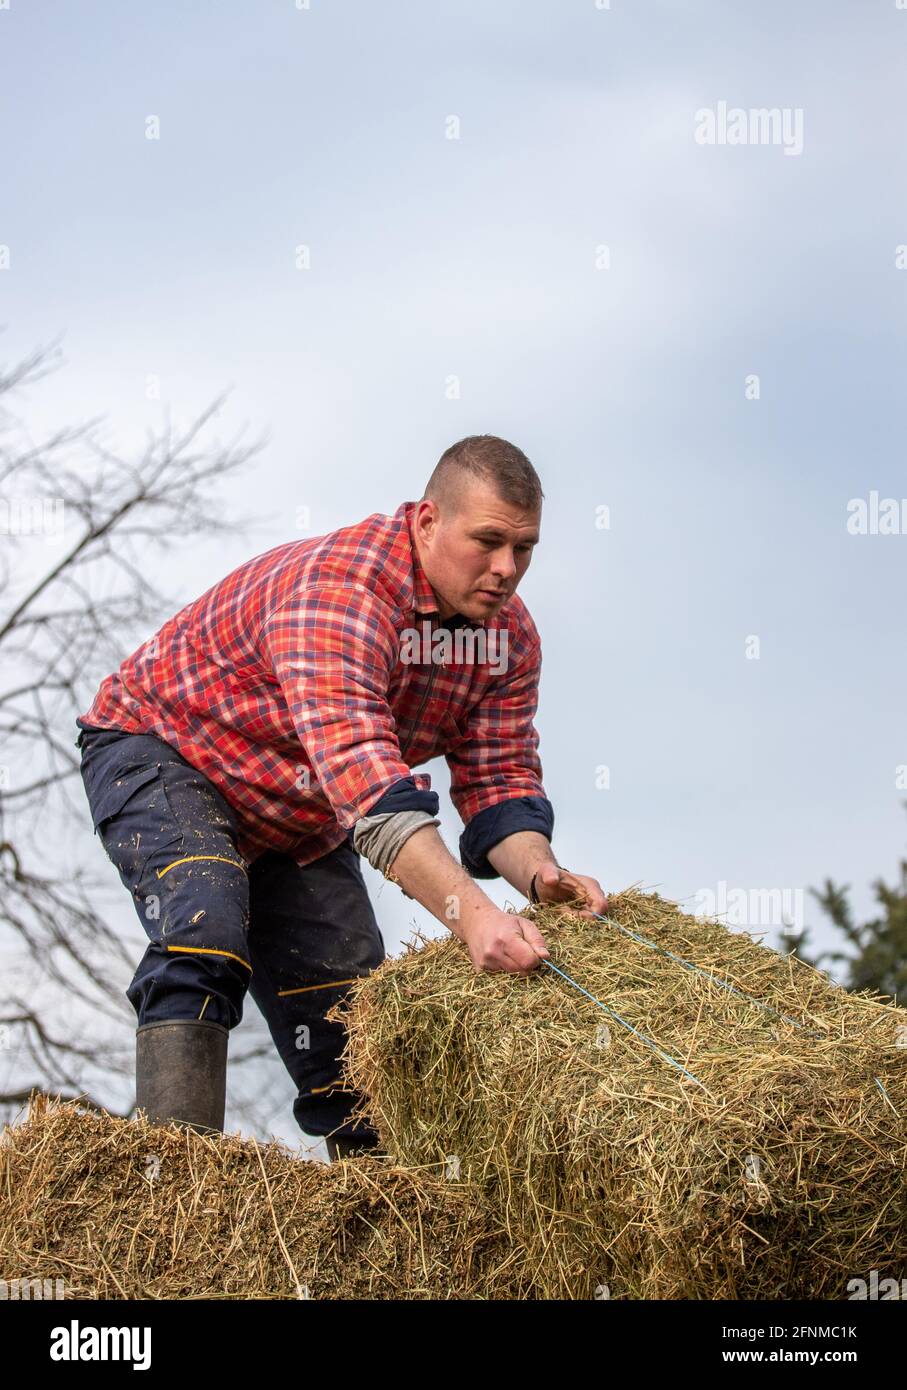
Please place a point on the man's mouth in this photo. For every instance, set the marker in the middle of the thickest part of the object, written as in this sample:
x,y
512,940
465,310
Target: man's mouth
x,y
493,593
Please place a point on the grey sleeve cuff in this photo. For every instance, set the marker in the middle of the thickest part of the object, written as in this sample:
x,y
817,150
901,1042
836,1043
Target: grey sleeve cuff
x,y
379,838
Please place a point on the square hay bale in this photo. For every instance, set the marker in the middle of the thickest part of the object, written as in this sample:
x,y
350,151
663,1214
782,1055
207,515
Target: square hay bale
x,y
125,1209
746,1141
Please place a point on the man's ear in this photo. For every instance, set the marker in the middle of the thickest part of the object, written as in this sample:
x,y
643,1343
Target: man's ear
x,y
427,518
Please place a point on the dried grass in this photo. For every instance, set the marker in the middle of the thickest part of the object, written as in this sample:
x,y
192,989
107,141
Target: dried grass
x,y
126,1210
537,1147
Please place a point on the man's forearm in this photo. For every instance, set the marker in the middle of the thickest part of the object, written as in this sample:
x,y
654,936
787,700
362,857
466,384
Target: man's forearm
x,y
517,857
428,872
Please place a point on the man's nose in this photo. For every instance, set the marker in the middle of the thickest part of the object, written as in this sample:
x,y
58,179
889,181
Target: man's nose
x,y
504,564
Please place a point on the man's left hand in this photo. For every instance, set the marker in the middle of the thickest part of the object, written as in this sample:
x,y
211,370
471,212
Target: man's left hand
x,y
556,885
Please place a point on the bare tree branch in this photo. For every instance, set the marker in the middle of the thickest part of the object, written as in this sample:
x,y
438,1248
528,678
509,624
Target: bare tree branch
x,y
69,611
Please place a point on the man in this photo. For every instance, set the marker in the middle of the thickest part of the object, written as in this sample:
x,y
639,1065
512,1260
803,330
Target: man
x,y
240,761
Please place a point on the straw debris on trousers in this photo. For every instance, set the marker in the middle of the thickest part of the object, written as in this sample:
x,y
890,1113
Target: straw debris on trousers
x,y
775,1169
123,1209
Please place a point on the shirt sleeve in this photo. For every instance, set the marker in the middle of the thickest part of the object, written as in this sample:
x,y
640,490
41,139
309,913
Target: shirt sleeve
x,y
333,649
496,773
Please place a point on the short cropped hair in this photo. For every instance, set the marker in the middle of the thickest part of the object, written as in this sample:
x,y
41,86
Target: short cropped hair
x,y
495,460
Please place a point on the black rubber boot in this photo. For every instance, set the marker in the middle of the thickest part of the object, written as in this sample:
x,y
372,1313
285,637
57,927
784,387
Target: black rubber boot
x,y
181,1073
339,1146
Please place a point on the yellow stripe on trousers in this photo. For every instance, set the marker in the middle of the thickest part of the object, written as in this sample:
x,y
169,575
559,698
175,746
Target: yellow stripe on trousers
x,y
303,989
193,858
212,951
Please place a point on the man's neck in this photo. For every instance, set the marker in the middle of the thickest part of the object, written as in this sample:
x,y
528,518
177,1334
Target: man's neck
x,y
444,609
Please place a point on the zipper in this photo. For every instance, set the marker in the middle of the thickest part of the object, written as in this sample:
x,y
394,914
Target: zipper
x,y
425,694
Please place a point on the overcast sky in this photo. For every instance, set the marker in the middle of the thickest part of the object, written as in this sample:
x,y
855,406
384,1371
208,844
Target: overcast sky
x,y
508,225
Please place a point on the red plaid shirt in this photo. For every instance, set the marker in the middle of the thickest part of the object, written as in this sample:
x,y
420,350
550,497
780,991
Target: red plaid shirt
x,y
284,685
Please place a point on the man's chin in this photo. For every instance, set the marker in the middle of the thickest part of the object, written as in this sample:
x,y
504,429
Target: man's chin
x,y
483,607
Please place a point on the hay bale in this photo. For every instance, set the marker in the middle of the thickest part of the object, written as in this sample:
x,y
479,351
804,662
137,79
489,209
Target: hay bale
x,y
778,1173
124,1209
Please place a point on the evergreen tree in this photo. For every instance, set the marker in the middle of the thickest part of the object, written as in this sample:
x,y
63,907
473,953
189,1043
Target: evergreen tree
x,y
878,959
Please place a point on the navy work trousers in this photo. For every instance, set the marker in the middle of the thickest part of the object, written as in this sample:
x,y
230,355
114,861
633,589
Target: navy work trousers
x,y
295,937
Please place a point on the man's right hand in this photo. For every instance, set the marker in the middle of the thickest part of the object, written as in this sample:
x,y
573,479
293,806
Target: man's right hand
x,y
499,941
496,940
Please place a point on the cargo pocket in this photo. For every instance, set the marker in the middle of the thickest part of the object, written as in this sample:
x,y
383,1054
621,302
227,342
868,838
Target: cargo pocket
x,y
111,799
135,823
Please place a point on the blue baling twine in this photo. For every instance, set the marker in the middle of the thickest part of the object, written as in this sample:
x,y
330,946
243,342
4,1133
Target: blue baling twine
x,y
886,1095
629,1026
688,965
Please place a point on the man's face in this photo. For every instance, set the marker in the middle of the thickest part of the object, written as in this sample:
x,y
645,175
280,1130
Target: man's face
x,y
475,556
